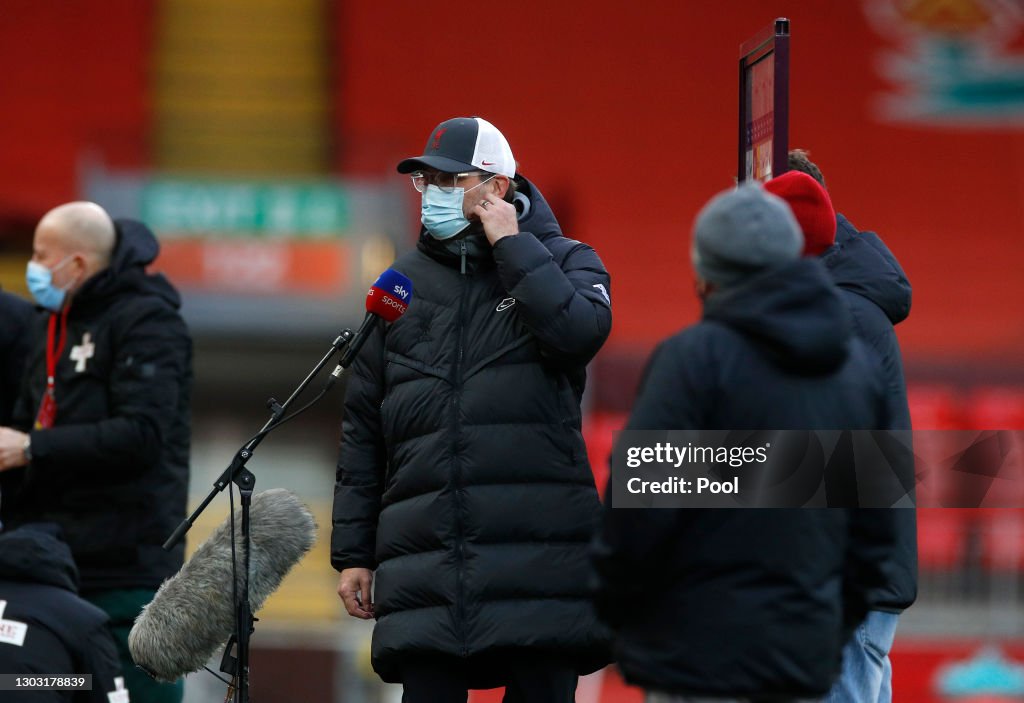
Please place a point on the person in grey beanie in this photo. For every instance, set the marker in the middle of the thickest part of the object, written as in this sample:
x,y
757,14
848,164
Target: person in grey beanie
x,y
743,231
746,604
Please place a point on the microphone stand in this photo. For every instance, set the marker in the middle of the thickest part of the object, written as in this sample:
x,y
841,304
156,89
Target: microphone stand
x,y
237,473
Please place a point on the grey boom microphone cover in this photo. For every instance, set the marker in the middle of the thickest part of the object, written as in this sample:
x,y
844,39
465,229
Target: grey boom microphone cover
x,y
192,614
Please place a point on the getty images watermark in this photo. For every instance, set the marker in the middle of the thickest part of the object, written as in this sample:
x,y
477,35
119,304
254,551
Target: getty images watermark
x,y
817,469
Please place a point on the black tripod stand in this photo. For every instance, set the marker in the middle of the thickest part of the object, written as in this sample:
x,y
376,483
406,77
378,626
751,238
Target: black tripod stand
x,y
237,666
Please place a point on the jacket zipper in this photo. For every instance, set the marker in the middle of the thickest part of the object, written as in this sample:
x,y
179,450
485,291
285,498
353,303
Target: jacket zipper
x,y
460,606
462,254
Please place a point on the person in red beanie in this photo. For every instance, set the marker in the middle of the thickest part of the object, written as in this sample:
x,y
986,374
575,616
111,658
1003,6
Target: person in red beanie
x,y
812,207
878,294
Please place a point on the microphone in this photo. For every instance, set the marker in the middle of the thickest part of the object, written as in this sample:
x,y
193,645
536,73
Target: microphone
x,y
387,300
193,613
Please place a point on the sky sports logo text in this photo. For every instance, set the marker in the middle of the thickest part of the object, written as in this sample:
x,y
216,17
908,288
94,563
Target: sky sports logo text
x,y
388,301
399,290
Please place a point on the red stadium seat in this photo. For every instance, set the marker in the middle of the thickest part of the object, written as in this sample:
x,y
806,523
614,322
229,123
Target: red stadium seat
x,y
934,407
941,538
996,408
1002,538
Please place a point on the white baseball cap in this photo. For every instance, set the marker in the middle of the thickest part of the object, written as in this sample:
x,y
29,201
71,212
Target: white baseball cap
x,y
464,144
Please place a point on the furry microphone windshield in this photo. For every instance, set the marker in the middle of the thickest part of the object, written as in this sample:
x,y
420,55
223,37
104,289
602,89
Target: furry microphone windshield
x,y
192,614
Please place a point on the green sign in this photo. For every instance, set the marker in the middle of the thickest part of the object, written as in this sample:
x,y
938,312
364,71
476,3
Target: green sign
x,y
246,208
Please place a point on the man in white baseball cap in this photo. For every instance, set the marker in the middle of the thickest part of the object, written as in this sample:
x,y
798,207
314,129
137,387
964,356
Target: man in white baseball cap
x,y
466,159
464,502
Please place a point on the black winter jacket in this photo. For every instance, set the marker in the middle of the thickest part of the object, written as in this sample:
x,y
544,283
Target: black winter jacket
x,y
878,294
15,321
63,634
747,602
113,470
463,477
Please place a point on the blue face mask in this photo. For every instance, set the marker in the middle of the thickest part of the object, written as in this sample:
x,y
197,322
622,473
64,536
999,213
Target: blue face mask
x,y
40,283
441,213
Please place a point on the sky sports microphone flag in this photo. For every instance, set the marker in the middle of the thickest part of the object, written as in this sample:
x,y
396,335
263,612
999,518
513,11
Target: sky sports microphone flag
x,y
389,297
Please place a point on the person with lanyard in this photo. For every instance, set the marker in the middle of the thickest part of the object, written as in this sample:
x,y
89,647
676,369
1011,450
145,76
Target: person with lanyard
x,y
99,440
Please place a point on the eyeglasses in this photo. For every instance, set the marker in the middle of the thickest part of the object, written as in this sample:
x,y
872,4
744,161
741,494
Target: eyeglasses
x,y
446,182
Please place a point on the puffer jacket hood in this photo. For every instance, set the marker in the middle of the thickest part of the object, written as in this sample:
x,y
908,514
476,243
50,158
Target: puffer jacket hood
x,y
793,312
860,262
136,248
33,553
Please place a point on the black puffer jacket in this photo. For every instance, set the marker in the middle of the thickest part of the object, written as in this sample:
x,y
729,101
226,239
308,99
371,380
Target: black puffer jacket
x,y
62,633
463,477
15,321
113,470
878,294
748,602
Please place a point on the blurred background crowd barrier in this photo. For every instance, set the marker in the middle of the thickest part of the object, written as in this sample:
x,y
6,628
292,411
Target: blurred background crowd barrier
x,y
259,140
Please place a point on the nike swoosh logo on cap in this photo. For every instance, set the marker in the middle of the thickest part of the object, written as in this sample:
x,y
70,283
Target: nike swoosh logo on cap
x,y
486,163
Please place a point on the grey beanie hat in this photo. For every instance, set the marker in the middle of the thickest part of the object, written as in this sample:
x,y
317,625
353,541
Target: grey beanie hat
x,y
742,231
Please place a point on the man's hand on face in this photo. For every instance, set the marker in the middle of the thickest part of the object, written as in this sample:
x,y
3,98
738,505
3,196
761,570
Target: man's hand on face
x,y
12,448
354,588
498,217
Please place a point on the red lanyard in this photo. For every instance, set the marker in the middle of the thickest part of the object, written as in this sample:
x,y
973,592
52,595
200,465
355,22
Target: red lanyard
x,y
53,354
54,349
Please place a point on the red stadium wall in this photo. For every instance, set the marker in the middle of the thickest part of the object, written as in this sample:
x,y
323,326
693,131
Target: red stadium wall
x,y
74,83
624,114
627,114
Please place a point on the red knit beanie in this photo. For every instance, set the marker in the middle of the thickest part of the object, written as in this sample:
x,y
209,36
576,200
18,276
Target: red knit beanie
x,y
812,207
